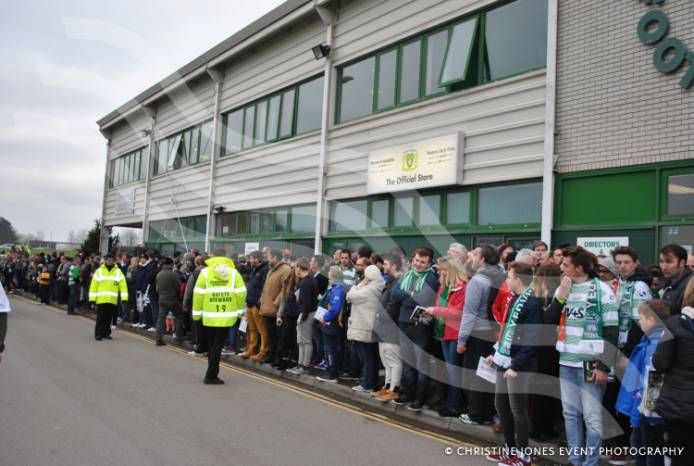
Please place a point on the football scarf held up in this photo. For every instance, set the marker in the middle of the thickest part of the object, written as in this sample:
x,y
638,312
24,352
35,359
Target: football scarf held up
x,y
502,355
580,328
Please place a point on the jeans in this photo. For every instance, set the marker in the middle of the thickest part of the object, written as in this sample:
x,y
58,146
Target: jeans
x,y
454,364
330,343
317,338
233,335
73,298
647,435
154,305
368,356
581,403
415,344
510,404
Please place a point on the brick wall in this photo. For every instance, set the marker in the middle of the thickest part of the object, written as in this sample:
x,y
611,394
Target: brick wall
x,y
613,107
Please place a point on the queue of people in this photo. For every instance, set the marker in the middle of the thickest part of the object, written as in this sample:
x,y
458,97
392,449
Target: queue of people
x,y
566,334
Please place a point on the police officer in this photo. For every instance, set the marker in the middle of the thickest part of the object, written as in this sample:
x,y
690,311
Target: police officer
x,y
218,300
107,282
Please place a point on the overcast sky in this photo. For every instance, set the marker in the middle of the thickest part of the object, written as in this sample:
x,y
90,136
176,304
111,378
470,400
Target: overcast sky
x,y
65,64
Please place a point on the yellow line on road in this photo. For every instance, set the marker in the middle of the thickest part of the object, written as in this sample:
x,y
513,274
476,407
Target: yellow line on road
x,y
301,391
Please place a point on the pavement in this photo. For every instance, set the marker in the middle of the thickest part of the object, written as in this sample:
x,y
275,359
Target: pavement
x,y
66,399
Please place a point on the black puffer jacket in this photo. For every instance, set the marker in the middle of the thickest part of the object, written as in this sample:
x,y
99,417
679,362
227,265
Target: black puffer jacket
x,y
675,358
254,285
673,293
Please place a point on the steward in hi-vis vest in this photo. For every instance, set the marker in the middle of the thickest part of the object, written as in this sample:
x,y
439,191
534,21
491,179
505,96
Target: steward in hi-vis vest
x,y
218,300
108,281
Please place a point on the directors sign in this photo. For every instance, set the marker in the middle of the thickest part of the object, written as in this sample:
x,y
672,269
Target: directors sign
x,y
421,164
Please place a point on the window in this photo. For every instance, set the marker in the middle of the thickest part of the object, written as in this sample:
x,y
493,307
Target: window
x,y
458,208
409,71
430,209
356,89
260,121
348,216
248,125
510,205
266,219
178,229
491,44
309,106
125,169
680,194
680,234
183,149
304,219
255,223
402,212
206,143
385,96
273,117
458,53
436,52
281,220
379,213
506,55
233,128
285,114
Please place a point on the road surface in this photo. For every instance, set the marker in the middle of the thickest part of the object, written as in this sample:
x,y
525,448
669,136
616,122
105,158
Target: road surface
x,y
66,399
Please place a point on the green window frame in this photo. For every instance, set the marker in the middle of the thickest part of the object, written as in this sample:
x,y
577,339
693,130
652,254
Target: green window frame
x,y
461,64
422,208
278,222
272,118
184,148
667,191
125,169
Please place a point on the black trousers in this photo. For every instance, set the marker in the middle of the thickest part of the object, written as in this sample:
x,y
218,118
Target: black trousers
x,y
480,393
215,338
679,435
200,336
287,347
272,336
104,314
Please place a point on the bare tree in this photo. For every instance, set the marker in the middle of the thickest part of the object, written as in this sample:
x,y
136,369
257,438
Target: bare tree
x,y
40,235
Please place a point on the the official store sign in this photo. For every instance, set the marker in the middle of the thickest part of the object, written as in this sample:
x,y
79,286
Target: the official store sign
x,y
670,52
418,165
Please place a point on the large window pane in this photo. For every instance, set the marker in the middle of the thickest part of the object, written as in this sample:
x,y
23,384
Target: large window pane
x,y
205,141
379,213
287,116
436,52
348,216
386,80
304,219
308,112
281,218
273,119
242,223
226,224
430,209
680,194
458,52
174,156
516,38
162,157
510,205
255,223
409,71
116,172
260,120
233,132
680,234
190,143
356,96
458,208
266,222
402,211
248,122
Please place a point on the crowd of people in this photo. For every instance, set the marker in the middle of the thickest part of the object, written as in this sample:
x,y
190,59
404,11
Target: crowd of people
x,y
564,333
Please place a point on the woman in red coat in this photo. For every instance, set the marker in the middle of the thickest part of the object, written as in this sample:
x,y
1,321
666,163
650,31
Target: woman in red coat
x,y
453,276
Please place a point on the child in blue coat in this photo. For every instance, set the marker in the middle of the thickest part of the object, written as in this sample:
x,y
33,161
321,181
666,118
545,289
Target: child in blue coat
x,y
640,385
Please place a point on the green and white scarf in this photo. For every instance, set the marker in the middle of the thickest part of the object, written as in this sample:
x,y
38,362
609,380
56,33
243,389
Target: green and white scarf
x,y
580,328
502,355
419,279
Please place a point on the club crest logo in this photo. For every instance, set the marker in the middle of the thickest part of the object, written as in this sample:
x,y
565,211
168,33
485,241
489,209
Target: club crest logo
x,y
410,159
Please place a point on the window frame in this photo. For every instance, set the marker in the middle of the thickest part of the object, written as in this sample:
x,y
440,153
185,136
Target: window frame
x,y
125,169
672,219
476,39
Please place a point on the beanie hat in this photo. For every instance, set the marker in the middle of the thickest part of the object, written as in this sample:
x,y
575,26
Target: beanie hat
x,y
373,273
609,264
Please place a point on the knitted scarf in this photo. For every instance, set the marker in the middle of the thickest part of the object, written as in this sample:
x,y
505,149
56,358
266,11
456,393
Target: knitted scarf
x,y
502,355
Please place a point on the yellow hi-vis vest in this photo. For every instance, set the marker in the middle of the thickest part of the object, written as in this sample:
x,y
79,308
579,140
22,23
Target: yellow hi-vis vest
x,y
106,284
219,294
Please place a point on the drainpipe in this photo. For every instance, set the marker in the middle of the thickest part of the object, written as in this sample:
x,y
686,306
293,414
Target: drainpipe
x,y
148,172
217,78
327,14
105,232
550,112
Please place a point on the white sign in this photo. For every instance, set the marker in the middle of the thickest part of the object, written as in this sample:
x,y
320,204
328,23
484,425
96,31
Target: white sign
x,y
125,202
602,246
250,247
421,164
